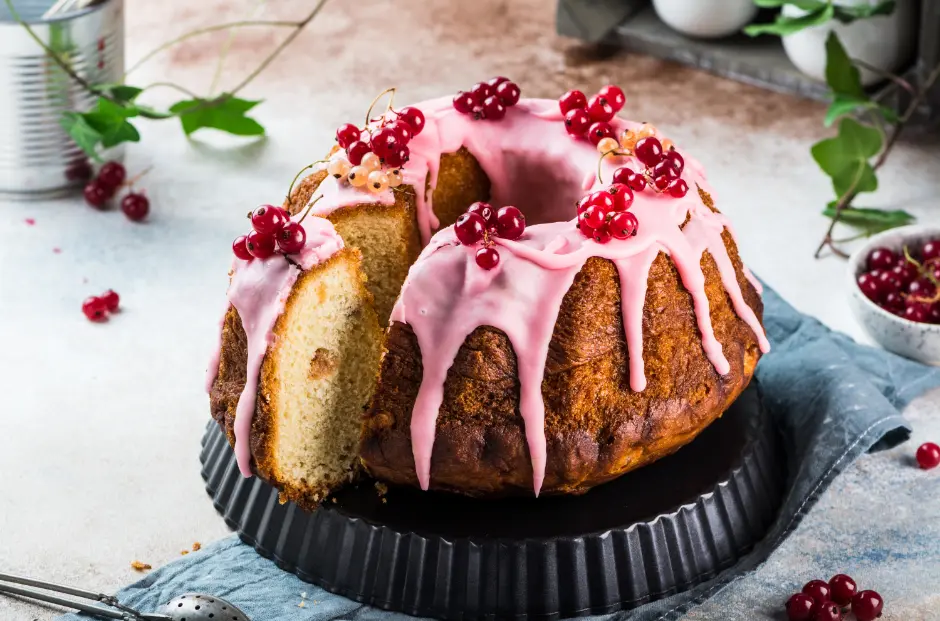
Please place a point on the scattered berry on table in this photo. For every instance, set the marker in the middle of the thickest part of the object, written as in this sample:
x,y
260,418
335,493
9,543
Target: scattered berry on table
x,y
96,194
135,206
867,605
801,607
928,455
111,300
842,589
828,611
95,308
818,590
112,175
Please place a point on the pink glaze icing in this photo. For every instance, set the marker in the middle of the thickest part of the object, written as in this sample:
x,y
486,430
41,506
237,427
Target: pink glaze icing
x,y
259,290
532,163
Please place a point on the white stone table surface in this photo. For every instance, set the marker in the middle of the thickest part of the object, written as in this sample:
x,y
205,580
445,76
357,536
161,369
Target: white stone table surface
x,y
100,424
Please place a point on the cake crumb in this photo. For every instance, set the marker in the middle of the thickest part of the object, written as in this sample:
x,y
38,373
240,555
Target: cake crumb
x,y
57,250
333,500
184,552
138,566
197,546
302,604
381,488
30,221
384,501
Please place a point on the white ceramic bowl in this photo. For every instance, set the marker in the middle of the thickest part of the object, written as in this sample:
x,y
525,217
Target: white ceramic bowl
x,y
918,341
707,19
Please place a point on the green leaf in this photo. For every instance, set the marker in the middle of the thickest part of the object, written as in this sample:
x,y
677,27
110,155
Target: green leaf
x,y
84,135
871,220
845,157
110,121
848,14
841,75
784,25
806,5
844,104
120,92
225,113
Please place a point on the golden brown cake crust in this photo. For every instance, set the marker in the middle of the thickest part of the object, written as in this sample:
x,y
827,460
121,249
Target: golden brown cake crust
x,y
596,427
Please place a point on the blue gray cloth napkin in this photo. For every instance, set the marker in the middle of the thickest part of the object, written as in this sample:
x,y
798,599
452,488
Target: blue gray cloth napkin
x,y
832,398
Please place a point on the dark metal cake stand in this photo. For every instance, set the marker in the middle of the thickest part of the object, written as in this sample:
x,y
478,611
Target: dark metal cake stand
x,y
651,533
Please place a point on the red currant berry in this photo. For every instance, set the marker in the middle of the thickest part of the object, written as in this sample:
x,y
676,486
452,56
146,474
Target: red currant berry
x,y
494,82
240,248
402,130
508,93
414,118
904,273
601,235
397,160
677,188
623,196
623,225
602,198
931,250
585,229
384,142
347,134
868,283
917,311
661,183
672,156
928,455
470,228
487,258
631,178
493,108
888,281
485,211
480,91
135,206
882,259
665,169
867,605
96,194
818,590
577,122
112,175
800,607
829,611
464,102
921,288
599,109
268,219
510,222
614,96
934,313
583,203
79,171
893,303
111,300
356,151
649,151
842,589
598,131
291,238
594,216
260,245
572,100
95,309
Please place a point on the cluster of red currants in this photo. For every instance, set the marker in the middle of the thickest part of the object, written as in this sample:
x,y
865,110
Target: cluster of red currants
x,y
907,287
272,231
389,141
98,307
481,223
825,601
103,187
488,100
591,117
663,169
603,215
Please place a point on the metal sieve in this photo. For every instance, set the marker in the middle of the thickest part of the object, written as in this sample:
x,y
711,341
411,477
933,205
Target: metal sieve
x,y
37,158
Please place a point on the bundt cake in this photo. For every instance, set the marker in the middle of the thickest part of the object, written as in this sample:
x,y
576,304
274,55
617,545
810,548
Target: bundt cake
x,y
542,355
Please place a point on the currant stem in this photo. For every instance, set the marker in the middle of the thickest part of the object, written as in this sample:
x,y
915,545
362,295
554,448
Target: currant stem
x,y
376,100
130,182
309,207
600,160
290,190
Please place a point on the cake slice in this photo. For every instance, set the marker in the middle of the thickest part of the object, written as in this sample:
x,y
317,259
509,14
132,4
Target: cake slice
x,y
298,426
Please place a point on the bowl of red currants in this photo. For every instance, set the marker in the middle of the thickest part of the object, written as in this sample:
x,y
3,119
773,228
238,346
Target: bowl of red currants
x,y
895,291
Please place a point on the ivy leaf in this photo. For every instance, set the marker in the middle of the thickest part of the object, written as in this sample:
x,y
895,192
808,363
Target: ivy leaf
x,y
870,220
844,104
121,93
848,14
785,25
806,5
841,75
84,135
226,113
845,157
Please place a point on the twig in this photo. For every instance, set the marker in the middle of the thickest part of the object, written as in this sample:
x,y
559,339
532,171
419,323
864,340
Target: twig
x,y
206,30
846,199
887,75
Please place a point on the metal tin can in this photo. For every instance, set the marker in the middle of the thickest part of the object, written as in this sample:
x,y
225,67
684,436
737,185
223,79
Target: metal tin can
x,y
37,157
